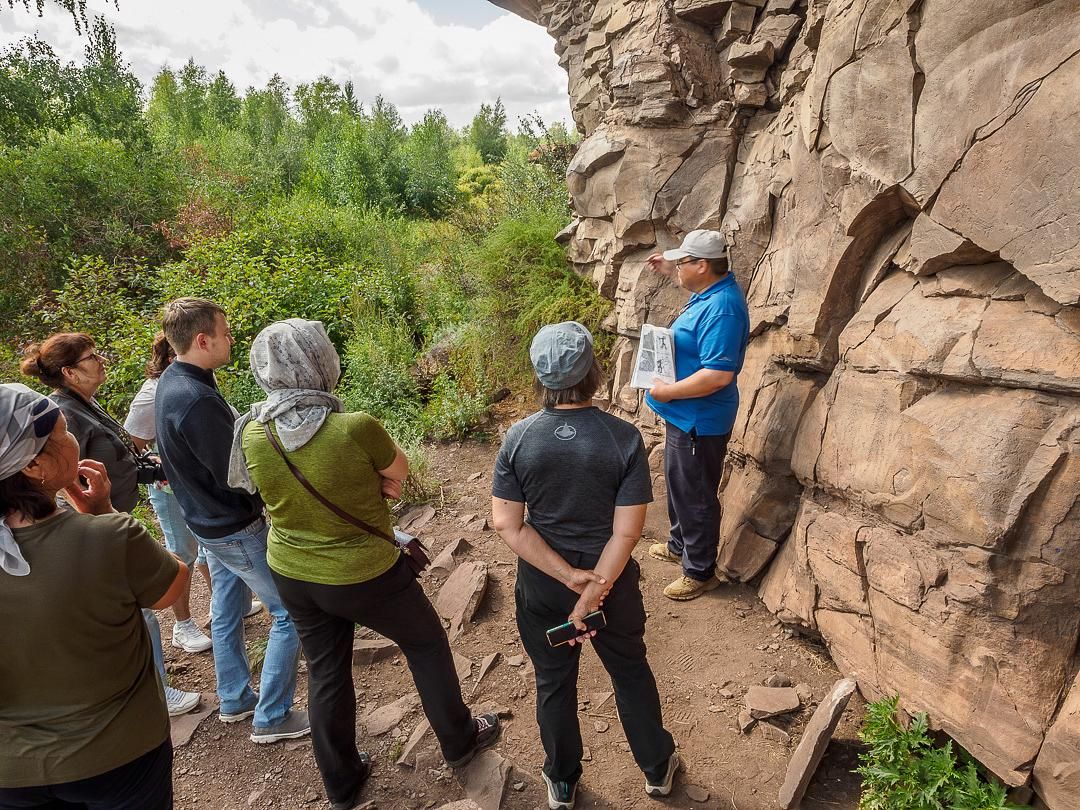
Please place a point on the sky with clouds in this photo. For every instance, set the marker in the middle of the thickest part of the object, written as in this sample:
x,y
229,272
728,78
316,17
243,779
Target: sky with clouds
x,y
419,54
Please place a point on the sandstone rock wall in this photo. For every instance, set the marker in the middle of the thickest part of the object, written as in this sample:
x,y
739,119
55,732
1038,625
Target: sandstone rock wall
x,y
900,185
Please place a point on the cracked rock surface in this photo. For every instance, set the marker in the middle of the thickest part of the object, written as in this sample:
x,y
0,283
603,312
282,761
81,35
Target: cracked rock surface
x,y
899,181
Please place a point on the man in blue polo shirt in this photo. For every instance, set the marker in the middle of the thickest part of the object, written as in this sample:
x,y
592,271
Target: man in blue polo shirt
x,y
699,408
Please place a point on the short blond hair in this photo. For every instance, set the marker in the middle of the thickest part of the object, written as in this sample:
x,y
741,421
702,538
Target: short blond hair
x,y
186,318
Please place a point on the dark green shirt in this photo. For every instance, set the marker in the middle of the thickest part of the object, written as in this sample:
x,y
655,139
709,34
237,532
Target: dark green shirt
x,y
307,541
78,692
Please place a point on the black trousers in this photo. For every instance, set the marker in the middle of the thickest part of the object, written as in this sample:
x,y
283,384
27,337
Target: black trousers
x,y
144,783
393,605
543,603
693,467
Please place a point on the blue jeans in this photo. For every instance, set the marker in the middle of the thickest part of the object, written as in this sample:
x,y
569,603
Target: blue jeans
x,y
234,560
154,628
178,537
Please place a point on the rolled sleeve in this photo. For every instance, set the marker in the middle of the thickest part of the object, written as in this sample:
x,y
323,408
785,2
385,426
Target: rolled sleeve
x,y
720,343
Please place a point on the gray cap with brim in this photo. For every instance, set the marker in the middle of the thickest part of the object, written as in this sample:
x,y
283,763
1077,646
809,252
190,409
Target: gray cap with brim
x,y
700,245
561,354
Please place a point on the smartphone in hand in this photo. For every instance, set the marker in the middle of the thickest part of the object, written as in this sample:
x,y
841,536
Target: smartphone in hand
x,y
568,632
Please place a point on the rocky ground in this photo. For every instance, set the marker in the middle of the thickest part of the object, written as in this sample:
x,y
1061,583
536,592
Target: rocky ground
x,y
706,654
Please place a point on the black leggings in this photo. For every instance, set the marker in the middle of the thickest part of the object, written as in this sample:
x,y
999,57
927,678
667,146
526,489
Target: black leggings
x,y
143,784
393,605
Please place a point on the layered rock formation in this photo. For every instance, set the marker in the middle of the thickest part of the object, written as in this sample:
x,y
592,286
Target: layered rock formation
x,y
899,182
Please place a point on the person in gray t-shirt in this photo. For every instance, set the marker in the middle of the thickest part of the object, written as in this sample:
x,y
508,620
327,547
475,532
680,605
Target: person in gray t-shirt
x,y
584,476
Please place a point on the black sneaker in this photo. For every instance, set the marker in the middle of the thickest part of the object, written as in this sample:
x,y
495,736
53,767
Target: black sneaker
x,y
660,784
561,795
488,729
354,800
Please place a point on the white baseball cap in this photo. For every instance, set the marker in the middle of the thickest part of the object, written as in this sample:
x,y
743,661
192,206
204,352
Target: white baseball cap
x,y
700,245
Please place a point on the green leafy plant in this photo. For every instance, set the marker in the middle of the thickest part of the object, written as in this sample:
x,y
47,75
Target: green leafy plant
x,y
905,769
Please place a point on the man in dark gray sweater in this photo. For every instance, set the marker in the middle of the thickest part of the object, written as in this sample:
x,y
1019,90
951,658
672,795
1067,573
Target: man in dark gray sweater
x,y
194,434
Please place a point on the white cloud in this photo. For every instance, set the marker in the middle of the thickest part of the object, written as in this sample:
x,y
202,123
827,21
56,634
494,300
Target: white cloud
x,y
387,47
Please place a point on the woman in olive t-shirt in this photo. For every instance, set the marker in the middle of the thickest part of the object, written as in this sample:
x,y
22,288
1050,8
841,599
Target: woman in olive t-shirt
x,y
332,575
83,717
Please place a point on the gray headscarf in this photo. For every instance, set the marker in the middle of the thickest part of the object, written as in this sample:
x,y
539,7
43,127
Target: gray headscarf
x,y
295,363
26,420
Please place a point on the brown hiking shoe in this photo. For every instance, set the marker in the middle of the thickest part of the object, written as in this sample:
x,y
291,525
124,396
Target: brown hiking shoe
x,y
686,588
660,551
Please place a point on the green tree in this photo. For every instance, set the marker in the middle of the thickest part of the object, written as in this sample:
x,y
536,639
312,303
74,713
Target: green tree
x,y
431,177
34,92
163,113
107,96
191,88
488,132
318,104
222,102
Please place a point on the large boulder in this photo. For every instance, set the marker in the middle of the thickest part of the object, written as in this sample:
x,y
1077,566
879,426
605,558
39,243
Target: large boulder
x,y
899,184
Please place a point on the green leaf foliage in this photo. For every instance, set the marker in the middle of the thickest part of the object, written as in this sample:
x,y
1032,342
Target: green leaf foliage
x,y
428,253
905,769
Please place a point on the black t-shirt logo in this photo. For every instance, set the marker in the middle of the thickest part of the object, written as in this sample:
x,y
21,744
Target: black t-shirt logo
x,y
565,432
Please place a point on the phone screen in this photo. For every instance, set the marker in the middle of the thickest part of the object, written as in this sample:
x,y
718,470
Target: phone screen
x,y
567,632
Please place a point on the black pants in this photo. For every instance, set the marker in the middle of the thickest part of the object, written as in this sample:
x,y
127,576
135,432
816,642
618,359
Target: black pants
x,y
144,783
693,468
543,603
393,605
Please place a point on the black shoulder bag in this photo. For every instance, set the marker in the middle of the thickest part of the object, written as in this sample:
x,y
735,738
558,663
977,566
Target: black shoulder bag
x,y
416,553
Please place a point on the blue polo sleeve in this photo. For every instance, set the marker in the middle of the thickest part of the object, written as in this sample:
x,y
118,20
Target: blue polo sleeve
x,y
720,342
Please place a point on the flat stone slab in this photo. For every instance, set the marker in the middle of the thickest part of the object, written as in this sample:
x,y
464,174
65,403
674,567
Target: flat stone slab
x,y
367,651
485,778
460,595
182,728
408,753
384,718
486,665
447,561
462,665
767,701
416,518
804,762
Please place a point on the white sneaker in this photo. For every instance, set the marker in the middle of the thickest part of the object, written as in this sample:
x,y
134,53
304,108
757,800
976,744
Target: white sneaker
x,y
189,638
663,788
180,702
256,608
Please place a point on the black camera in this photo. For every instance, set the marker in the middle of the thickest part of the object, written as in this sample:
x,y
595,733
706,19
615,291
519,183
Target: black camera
x,y
149,471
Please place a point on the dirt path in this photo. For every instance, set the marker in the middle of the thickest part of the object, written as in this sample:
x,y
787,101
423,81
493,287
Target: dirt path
x,y
705,654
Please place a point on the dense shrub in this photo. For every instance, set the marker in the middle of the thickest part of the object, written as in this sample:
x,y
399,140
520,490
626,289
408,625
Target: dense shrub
x,y
904,769
427,253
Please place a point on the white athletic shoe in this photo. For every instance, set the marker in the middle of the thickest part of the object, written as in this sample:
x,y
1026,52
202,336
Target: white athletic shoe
x,y
189,638
663,788
179,701
255,609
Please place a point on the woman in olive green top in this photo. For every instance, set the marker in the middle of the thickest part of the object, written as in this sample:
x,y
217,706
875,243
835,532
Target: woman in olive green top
x,y
82,714
331,575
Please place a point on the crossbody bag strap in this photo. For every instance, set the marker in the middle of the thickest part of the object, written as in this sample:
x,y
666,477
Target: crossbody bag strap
x,y
341,513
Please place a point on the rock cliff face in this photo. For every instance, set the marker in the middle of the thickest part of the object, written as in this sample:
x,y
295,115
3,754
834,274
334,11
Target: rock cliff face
x,y
899,182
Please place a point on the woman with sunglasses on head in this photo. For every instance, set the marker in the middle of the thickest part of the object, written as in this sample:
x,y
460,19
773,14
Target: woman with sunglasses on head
x,y
70,364
82,719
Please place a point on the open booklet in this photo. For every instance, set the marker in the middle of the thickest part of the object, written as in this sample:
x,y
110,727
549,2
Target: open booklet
x,y
655,358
